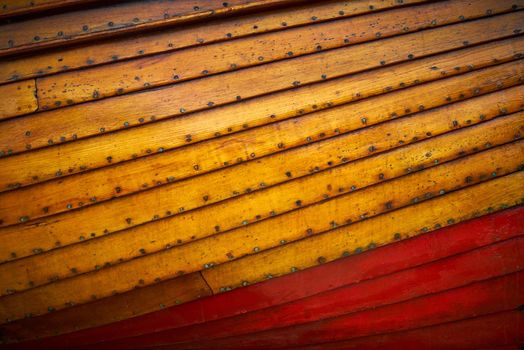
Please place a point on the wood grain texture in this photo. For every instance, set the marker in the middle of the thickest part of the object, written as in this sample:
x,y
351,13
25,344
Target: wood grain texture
x,y
157,70
456,240
406,222
169,39
43,235
17,99
171,262
117,248
97,22
33,167
95,187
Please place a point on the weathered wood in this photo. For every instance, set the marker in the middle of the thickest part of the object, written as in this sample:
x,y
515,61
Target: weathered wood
x,y
122,213
10,8
55,195
94,23
455,240
118,307
153,267
34,167
169,39
157,70
17,99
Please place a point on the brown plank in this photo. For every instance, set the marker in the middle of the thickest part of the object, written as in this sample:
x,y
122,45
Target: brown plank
x,y
158,70
76,157
169,39
17,99
404,223
10,8
117,307
145,239
95,187
94,23
159,266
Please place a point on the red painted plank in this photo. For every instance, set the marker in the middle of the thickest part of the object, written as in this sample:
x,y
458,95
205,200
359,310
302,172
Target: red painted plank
x,y
486,332
481,298
388,259
477,265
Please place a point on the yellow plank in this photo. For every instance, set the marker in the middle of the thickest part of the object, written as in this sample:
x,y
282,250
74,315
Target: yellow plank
x,y
407,222
230,214
55,196
354,206
157,70
118,307
17,99
122,213
34,167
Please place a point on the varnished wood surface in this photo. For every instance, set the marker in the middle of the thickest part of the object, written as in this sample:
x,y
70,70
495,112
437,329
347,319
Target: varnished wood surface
x,y
216,163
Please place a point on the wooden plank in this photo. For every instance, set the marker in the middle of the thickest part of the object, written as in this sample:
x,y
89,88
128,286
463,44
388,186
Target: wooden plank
x,y
451,240
177,38
126,17
82,155
158,70
118,307
56,195
10,8
17,99
30,272
42,235
477,299
490,331
407,222
478,265
169,263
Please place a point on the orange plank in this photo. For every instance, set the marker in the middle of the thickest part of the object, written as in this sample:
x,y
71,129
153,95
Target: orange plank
x,y
9,8
34,167
158,70
169,39
52,197
125,17
122,213
17,99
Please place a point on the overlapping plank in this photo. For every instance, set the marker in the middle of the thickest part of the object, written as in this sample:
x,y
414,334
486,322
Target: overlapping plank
x,y
62,263
167,264
94,23
478,265
491,331
33,167
125,212
56,195
169,39
17,98
113,79
406,222
452,240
